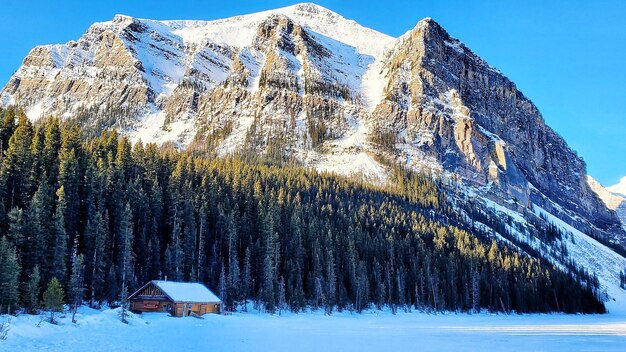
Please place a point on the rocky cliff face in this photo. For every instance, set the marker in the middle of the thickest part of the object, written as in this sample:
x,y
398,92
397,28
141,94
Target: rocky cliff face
x,y
448,105
306,83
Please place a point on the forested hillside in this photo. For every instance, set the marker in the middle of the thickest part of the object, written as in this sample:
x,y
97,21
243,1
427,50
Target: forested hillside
x,y
284,237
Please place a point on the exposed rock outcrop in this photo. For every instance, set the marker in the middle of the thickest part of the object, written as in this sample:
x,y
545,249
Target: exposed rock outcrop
x,y
306,83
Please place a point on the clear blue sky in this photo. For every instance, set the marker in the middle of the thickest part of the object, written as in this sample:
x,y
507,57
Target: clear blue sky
x,y
569,57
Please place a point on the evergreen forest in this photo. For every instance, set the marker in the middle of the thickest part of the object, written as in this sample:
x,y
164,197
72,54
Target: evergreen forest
x,y
101,217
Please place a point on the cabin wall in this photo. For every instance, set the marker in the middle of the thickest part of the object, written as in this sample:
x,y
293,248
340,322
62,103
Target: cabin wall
x,y
184,309
150,305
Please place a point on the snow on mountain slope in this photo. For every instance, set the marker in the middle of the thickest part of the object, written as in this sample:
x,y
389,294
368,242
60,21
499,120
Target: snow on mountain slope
x,y
574,245
239,31
595,257
142,65
619,188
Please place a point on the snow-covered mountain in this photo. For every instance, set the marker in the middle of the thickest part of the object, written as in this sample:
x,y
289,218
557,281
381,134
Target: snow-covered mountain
x,y
169,75
305,82
613,196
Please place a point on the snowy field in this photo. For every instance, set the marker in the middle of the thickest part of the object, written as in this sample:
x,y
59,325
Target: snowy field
x,y
370,331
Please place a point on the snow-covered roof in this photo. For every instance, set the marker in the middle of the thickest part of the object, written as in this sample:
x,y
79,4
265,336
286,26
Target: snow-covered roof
x,y
186,291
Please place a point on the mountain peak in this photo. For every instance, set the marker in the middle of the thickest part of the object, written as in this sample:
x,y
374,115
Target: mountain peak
x,y
426,29
122,18
426,21
310,7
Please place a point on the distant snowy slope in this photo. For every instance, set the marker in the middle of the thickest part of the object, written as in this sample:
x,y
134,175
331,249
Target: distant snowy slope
x,y
608,195
613,197
620,187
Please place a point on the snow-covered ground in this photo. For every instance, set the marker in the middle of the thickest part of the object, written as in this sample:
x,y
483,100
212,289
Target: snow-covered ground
x,y
313,331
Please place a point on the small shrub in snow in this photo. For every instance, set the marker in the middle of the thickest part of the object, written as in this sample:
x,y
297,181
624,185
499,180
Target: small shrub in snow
x,y
42,318
4,329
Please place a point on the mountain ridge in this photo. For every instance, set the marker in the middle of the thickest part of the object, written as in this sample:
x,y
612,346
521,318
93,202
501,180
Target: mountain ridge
x,y
310,77
303,83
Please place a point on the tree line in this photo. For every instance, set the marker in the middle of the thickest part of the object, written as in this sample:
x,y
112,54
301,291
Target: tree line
x,y
102,217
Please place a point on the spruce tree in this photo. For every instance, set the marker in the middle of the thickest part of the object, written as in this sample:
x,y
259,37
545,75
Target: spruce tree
x,y
38,228
59,241
233,279
76,285
126,252
96,231
30,297
17,163
7,126
53,298
49,160
246,280
17,229
9,277
112,288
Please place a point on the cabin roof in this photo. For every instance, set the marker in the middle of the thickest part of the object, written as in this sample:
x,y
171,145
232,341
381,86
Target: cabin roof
x,y
183,291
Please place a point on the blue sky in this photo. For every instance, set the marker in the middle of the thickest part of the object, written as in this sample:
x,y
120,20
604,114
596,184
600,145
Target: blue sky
x,y
569,57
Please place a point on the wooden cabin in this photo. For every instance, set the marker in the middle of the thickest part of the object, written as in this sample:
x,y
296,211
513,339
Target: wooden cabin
x,y
180,299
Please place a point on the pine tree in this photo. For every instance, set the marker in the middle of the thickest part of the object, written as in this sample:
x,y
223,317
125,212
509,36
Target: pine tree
x,y
49,159
53,298
17,163
17,227
176,252
246,280
222,287
37,226
30,297
125,306
76,285
96,231
282,300
126,257
233,279
7,127
9,276
69,181
202,229
59,241
112,289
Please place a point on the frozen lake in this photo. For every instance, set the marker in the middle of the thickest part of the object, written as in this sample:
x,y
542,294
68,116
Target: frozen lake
x,y
371,331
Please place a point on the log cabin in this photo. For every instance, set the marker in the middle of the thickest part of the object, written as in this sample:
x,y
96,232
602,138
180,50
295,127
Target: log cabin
x,y
180,299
